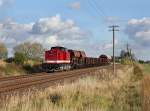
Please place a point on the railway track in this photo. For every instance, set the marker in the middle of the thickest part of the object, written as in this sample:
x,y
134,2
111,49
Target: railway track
x,y
10,84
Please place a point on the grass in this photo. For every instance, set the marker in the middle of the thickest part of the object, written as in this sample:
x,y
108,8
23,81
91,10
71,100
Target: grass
x,y
129,97
10,69
103,92
146,68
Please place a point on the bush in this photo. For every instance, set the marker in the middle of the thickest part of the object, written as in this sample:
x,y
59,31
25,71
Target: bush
x,y
138,72
55,98
28,68
20,58
9,60
3,51
126,61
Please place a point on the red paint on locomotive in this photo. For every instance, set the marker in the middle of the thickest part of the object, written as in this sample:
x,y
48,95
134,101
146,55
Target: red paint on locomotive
x,y
57,55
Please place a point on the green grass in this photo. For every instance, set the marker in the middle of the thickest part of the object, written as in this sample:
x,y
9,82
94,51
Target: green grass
x,y
146,68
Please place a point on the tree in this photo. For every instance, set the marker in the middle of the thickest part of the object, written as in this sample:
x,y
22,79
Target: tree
x,y
32,51
20,58
141,61
3,51
122,54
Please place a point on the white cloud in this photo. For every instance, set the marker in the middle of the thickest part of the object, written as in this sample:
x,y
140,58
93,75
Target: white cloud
x,y
14,33
105,45
5,2
51,40
57,31
109,45
139,31
75,5
112,19
48,31
144,35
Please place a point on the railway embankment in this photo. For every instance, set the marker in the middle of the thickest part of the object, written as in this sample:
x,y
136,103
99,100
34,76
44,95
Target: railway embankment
x,y
129,97
145,86
101,92
10,69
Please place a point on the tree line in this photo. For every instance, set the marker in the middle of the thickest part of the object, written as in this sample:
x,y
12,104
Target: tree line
x,y
23,52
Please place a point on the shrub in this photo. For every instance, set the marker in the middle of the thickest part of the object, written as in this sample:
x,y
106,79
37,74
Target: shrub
x,y
28,68
55,98
20,58
126,61
138,72
9,60
3,51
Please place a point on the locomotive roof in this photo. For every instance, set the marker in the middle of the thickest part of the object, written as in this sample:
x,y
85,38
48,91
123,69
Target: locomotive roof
x,y
59,47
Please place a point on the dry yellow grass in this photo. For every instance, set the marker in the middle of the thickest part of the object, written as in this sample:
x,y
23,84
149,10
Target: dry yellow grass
x,y
88,94
146,93
10,69
2,63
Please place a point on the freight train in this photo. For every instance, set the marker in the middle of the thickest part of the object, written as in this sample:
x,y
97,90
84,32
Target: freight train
x,y
60,58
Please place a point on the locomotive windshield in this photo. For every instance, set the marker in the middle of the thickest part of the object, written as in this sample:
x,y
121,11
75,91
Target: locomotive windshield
x,y
60,48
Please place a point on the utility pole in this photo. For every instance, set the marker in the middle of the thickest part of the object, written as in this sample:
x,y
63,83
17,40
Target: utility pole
x,y
113,28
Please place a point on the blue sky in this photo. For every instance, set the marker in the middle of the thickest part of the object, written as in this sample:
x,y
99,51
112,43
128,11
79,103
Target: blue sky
x,y
92,17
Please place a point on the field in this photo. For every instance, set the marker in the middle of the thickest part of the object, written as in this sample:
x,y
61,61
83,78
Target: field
x,y
146,87
103,92
146,68
146,93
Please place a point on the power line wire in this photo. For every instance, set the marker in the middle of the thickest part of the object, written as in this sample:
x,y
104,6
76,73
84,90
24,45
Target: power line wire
x,y
99,12
99,7
91,12
94,4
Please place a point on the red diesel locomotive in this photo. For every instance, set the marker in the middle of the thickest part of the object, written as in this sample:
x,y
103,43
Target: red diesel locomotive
x,y
61,58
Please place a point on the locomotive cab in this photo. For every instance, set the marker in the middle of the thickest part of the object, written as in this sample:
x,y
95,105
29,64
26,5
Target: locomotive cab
x,y
58,58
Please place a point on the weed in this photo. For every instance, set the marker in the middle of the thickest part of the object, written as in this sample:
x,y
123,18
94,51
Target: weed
x,y
55,98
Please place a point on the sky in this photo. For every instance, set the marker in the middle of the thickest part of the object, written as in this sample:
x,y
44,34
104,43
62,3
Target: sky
x,y
77,24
